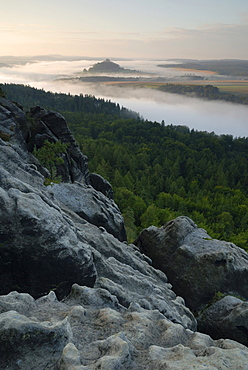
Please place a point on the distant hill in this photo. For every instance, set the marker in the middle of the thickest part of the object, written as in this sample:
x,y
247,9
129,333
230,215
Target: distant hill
x,y
2,65
223,67
108,67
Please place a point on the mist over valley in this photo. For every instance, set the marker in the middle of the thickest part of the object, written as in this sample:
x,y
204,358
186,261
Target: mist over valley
x,y
57,75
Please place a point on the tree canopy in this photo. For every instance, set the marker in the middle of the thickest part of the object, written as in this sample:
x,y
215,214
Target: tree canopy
x,y
158,172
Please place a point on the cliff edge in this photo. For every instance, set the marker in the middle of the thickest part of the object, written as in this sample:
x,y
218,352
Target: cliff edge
x,y
74,295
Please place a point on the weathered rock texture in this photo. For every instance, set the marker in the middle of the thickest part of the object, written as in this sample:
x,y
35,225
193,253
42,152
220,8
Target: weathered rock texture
x,y
226,318
121,312
196,265
49,125
92,206
91,330
101,184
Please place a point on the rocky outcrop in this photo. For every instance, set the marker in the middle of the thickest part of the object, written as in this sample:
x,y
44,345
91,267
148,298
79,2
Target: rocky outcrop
x,y
40,249
50,125
90,330
202,270
196,265
92,206
226,318
73,294
27,343
101,184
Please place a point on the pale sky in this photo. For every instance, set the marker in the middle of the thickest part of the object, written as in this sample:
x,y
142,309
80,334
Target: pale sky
x,y
160,29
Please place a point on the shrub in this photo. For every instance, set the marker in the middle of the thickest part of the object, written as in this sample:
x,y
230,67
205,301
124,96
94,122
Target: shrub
x,y
49,155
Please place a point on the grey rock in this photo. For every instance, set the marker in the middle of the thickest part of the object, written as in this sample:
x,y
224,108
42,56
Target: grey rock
x,y
227,318
27,344
18,169
126,274
180,357
13,122
196,265
40,247
70,359
14,301
92,206
91,297
101,184
50,125
121,312
80,334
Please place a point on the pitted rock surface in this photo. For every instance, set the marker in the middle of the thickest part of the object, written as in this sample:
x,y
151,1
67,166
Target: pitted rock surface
x,y
83,333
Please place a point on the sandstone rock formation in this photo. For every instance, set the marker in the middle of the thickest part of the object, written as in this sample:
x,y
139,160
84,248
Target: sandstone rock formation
x,y
92,206
101,184
196,265
90,330
52,126
226,318
199,269
121,312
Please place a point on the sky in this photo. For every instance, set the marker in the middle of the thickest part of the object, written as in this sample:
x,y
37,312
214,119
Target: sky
x,y
161,29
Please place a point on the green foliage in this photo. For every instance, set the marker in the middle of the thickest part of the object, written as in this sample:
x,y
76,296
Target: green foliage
x,y
159,172
49,156
203,91
217,297
29,96
174,172
130,226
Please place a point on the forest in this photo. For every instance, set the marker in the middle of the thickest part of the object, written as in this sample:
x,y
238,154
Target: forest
x,y
208,92
157,172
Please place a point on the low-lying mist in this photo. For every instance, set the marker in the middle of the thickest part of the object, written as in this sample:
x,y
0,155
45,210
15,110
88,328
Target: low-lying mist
x,y
202,115
220,117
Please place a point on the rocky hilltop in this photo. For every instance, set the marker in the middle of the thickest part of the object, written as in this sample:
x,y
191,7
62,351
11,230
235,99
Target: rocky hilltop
x,y
75,295
107,66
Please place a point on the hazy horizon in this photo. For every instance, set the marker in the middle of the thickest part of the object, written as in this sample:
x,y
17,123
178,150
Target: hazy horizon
x,y
161,29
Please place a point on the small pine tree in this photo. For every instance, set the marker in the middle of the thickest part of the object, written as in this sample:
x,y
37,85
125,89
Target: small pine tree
x,y
49,156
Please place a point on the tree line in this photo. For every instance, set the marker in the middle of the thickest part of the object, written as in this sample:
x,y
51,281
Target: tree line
x,y
159,172
208,92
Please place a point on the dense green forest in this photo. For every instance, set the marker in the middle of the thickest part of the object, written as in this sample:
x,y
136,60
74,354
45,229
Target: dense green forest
x,y
27,97
208,92
157,172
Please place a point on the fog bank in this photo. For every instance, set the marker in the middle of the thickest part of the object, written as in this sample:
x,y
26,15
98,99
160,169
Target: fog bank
x,y
220,117
202,115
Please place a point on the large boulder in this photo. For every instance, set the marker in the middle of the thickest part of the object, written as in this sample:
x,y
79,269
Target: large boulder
x,y
226,318
196,265
101,184
128,275
14,123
